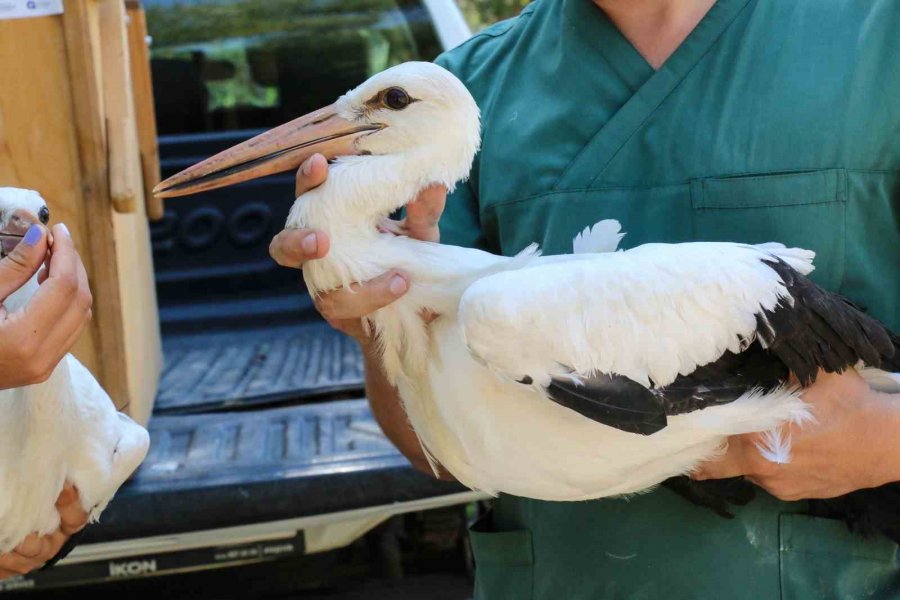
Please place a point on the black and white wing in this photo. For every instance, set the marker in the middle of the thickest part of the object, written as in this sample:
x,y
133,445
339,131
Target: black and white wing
x,y
629,338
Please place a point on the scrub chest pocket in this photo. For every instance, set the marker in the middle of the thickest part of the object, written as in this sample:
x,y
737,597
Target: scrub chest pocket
x,y
802,209
805,210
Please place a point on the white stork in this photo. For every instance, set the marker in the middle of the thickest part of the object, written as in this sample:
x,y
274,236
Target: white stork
x,y
560,378
65,429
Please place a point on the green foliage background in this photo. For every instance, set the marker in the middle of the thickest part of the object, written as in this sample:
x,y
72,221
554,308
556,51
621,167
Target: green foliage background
x,y
197,21
255,54
177,23
483,13
244,49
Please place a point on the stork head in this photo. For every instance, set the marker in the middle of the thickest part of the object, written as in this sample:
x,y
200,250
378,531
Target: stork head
x,y
19,210
417,111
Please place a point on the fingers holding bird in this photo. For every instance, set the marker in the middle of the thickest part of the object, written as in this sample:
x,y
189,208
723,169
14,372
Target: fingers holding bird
x,y
346,309
845,447
39,334
62,306
422,216
311,174
424,213
293,247
72,516
31,554
35,550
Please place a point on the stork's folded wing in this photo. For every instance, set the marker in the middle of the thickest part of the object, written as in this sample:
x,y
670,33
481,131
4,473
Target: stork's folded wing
x,y
629,338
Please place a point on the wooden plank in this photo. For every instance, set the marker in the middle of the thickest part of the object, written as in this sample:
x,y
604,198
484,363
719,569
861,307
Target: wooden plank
x,y
145,111
141,314
133,258
38,149
125,178
82,49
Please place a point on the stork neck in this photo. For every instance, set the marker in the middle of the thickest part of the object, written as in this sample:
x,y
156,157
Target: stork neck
x,y
376,186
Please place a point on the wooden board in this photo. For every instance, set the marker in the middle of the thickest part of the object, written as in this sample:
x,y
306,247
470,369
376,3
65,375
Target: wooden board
x,y
144,109
55,136
125,175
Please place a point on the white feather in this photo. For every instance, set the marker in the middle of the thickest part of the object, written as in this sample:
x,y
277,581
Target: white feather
x,y
775,446
604,236
667,309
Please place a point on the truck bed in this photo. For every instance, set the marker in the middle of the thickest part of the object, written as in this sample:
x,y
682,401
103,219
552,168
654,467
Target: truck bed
x,y
254,367
215,471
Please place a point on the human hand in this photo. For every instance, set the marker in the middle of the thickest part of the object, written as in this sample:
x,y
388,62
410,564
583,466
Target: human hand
x,y
36,550
344,309
849,445
37,336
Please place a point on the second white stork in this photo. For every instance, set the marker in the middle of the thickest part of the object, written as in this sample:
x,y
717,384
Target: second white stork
x,y
63,429
561,378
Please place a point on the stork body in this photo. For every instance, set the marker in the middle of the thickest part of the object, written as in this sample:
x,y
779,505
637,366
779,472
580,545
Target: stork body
x,y
64,429
566,377
504,320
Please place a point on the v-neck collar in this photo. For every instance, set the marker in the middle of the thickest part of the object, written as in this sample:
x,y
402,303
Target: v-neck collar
x,y
595,30
651,87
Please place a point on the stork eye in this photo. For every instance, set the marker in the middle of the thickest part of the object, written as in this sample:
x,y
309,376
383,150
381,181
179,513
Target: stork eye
x,y
44,215
396,98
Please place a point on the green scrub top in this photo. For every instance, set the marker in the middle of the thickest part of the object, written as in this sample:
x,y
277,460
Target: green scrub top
x,y
776,120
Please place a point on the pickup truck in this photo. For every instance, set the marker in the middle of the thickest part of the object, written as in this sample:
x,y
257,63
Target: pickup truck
x,y
263,446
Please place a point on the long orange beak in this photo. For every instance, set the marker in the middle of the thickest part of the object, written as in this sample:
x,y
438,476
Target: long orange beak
x,y
281,149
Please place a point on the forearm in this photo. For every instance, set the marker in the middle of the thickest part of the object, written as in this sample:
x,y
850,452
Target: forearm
x,y
388,411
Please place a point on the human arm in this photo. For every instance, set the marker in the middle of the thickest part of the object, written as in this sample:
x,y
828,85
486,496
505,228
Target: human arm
x,y
37,336
851,444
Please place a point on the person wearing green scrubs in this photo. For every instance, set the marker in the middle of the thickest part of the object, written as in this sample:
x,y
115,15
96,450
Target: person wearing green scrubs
x,y
738,120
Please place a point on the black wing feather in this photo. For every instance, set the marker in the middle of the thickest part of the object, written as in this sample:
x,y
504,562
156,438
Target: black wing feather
x,y
624,404
867,512
613,400
716,494
816,329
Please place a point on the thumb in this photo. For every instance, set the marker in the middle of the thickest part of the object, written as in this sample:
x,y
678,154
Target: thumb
x,y
22,263
423,214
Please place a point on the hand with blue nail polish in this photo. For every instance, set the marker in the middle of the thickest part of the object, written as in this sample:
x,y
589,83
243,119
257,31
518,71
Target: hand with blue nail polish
x,y
37,335
44,305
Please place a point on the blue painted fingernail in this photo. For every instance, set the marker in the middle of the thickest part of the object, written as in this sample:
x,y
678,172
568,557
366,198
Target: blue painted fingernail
x,y
33,235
